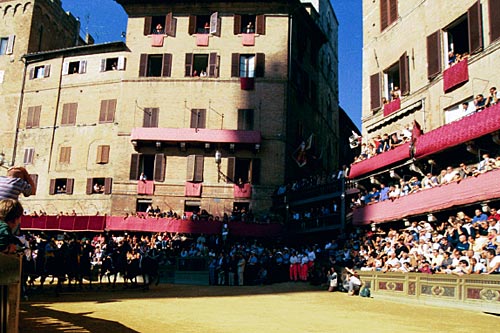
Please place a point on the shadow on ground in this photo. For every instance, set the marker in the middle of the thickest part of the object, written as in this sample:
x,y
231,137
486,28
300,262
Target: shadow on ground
x,y
48,320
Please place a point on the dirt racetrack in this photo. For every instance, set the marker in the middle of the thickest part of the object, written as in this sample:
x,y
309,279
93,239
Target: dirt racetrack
x,y
286,307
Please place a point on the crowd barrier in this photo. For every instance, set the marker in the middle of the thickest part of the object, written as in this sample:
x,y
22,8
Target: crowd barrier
x,y
477,291
117,223
10,292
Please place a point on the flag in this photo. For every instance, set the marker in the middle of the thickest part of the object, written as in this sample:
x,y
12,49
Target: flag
x,y
300,154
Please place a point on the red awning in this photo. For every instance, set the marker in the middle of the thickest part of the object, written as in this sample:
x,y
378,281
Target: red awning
x,y
380,161
194,135
461,131
64,223
469,190
456,75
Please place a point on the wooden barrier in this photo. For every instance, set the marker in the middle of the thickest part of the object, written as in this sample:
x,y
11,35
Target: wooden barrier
x,y
10,292
476,291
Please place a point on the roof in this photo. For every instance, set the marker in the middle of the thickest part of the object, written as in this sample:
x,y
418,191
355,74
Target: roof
x,y
76,50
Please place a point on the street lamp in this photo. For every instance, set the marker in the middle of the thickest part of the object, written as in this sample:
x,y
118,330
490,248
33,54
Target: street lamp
x,y
218,160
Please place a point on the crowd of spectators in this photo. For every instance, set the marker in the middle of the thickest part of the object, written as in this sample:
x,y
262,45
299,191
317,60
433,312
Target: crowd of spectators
x,y
415,184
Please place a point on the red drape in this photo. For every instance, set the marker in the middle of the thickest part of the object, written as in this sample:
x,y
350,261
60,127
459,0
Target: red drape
x,y
146,187
455,75
248,39
392,107
243,191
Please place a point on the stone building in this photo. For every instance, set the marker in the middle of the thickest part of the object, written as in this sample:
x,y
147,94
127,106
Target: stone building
x,y
215,103
27,27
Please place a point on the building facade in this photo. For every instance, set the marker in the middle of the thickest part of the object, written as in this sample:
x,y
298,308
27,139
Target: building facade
x,y
26,27
203,107
429,83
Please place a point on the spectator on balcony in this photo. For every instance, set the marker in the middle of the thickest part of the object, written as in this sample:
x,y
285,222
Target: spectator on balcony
x,y
493,97
493,262
394,192
479,216
429,181
384,144
395,93
158,30
450,175
384,101
405,187
486,164
143,177
441,178
494,214
480,102
451,58
384,192
464,171
477,267
395,141
250,28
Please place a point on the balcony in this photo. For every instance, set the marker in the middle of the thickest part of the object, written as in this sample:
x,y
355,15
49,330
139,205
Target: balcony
x,y
456,75
145,187
392,107
243,192
468,191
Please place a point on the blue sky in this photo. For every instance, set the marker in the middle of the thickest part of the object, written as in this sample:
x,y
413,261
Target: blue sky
x,y
105,20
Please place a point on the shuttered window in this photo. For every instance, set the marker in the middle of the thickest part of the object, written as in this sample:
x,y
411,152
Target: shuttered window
x,y
434,65
375,101
235,65
475,27
65,155
245,119
260,24
34,178
192,24
255,171
388,13
236,24
260,65
494,12
102,154
213,65
29,153
150,117
188,64
134,167
198,118
69,114
231,168
170,25
167,65
159,167
195,168
33,119
107,113
61,186
404,74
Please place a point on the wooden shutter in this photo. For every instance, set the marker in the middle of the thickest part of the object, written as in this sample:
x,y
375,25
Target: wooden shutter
x,y
167,65
260,64
192,25
198,169
32,73
404,74
433,55
170,25
475,27
65,155
194,118
188,64
10,44
104,111
147,25
69,185
134,167
231,164
65,114
65,69
36,116
260,24
52,187
72,113
375,101
143,65
108,183
110,115
90,186
146,120
255,174
393,11
154,117
245,119
494,12
235,65
102,154
46,71
159,171
384,15
237,24
34,178
30,117
212,63
202,119
190,168
28,155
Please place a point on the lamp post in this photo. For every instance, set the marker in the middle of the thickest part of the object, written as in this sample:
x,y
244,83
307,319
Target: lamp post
x,y
218,160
